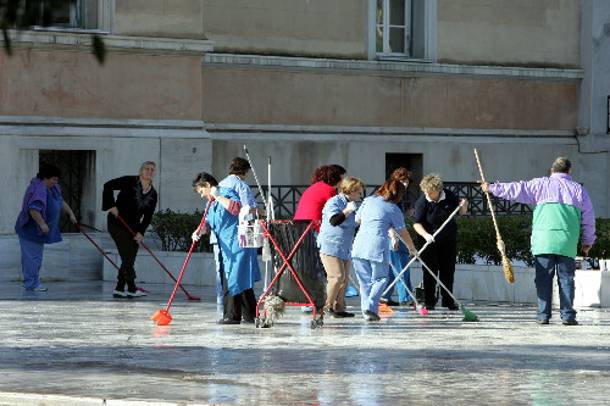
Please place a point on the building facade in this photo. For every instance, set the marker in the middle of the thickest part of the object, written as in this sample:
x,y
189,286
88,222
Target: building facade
x,y
368,84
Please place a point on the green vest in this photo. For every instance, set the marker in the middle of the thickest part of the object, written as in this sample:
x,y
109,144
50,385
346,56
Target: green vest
x,y
555,229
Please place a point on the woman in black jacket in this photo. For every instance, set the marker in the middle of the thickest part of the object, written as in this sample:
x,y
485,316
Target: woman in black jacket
x,y
135,203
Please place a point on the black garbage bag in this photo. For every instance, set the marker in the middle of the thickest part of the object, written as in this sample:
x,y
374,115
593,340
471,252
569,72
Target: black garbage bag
x,y
306,263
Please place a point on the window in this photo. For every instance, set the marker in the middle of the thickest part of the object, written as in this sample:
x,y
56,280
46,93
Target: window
x,y
77,183
66,14
393,28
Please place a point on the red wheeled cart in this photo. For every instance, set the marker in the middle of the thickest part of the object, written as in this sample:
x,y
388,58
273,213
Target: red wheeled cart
x,y
304,283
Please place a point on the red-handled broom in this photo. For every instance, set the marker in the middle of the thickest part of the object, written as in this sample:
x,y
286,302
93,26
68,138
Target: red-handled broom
x,y
152,254
162,316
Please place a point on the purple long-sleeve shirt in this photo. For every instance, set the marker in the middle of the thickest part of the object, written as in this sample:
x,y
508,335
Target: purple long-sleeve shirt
x,y
557,188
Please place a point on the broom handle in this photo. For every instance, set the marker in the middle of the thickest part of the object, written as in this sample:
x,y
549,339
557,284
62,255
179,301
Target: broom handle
x,y
260,189
79,228
188,257
188,295
489,202
414,257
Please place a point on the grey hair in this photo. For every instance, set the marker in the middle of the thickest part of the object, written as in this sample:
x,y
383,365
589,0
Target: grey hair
x,y
561,165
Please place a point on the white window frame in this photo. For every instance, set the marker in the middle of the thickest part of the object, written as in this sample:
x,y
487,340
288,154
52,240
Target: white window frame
x,y
423,42
386,26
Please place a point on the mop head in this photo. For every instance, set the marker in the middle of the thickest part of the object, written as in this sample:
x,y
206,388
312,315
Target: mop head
x,y
468,315
422,310
274,308
384,308
508,269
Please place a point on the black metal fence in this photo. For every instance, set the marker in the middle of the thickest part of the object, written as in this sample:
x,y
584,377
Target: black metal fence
x,y
286,199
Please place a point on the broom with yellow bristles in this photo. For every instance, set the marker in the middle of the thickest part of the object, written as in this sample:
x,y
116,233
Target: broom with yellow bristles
x,y
506,266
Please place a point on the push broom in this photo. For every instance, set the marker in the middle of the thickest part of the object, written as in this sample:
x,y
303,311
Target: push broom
x,y
188,295
79,227
413,258
418,307
162,317
468,314
506,266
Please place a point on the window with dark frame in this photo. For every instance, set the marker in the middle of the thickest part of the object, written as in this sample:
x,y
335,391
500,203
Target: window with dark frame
x,y
64,14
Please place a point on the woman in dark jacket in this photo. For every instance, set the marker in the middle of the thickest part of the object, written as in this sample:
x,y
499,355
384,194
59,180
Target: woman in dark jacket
x,y
135,204
431,210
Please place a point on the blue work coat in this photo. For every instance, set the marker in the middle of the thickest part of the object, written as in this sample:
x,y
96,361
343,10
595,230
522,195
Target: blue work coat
x,y
337,240
376,217
240,265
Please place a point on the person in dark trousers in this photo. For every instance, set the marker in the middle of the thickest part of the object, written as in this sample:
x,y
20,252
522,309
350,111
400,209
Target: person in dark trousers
x,y
431,210
135,204
563,215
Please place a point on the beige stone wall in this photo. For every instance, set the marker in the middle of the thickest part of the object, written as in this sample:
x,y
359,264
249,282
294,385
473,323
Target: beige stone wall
x,y
336,28
130,85
234,95
513,32
159,18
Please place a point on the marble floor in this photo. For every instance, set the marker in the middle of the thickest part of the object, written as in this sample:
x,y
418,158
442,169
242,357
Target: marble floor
x,y
76,345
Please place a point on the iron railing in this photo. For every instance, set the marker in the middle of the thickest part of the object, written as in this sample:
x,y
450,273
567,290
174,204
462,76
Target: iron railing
x,y
286,199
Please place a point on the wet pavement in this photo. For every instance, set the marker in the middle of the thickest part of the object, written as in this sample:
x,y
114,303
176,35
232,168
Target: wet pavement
x,y
77,345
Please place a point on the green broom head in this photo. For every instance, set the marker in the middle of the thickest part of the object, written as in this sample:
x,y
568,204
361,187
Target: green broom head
x,y
468,315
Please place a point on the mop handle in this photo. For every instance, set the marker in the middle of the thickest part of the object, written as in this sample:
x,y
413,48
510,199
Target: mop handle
x,y
439,281
452,215
489,202
122,220
404,285
78,227
188,257
260,189
188,295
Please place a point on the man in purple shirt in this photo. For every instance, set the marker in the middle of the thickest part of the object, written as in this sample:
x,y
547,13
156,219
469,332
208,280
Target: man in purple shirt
x,y
563,213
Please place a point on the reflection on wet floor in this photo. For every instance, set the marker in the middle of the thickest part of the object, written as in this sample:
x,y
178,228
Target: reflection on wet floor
x,y
76,340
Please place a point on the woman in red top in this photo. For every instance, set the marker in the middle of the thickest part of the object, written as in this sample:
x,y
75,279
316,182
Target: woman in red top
x,y
323,186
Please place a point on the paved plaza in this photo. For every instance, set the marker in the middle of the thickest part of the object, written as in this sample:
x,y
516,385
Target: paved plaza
x,y
77,345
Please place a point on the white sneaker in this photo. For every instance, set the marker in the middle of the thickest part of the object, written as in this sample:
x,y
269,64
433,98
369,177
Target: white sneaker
x,y
137,293
119,294
38,289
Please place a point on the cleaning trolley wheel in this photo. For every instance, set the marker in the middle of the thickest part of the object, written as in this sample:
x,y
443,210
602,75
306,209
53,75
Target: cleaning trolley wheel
x,y
257,322
320,321
314,324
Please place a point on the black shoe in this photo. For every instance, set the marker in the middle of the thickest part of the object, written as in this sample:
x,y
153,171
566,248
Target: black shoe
x,y
389,302
430,307
543,321
228,321
341,315
371,316
570,322
453,307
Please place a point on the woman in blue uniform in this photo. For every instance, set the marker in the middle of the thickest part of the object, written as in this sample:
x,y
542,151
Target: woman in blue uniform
x,y
335,242
239,265
378,214
38,223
